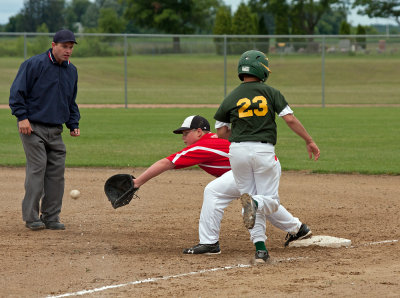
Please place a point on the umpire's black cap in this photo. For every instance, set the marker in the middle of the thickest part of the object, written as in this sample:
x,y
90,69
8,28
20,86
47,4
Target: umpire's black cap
x,y
193,122
64,36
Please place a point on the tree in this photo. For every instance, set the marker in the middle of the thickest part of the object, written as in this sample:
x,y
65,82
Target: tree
x,y
75,11
89,19
298,16
331,20
15,23
90,16
37,12
379,9
109,22
244,22
279,9
79,8
262,28
172,16
41,42
222,25
305,14
345,28
361,41
223,21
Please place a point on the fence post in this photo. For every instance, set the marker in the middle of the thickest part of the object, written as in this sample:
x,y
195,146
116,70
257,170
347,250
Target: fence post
x,y
323,72
25,47
225,67
126,69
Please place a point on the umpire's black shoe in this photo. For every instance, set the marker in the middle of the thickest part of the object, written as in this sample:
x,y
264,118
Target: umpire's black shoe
x,y
303,233
54,225
249,210
261,256
207,249
35,225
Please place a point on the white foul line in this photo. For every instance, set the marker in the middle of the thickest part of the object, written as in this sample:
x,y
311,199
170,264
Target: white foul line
x,y
383,242
149,280
84,292
375,243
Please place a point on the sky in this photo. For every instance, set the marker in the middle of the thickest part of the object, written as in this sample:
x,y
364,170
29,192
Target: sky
x,y
10,8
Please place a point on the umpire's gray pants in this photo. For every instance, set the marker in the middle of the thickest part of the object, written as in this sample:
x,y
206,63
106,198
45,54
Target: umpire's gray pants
x,y
45,166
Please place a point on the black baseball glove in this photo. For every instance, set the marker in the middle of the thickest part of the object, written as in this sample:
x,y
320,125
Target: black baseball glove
x,y
120,189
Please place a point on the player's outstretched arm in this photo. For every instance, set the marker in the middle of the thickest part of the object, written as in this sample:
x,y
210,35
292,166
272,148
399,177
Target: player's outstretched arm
x,y
299,129
154,170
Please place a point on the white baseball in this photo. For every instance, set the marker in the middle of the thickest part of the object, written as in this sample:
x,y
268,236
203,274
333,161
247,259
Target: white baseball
x,y
75,194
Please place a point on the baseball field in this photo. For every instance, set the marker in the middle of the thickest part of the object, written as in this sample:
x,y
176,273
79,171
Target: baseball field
x,y
352,192
136,250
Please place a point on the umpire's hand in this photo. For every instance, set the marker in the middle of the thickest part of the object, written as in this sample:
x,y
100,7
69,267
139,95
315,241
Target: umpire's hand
x,y
24,127
75,133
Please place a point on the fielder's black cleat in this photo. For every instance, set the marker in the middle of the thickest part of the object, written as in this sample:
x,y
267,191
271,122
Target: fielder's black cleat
x,y
261,256
207,249
249,210
303,233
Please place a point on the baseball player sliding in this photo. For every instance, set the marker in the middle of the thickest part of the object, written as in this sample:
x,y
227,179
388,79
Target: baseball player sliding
x,y
250,109
210,153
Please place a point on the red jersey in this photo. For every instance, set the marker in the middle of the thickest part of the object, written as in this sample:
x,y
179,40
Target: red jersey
x,y
210,153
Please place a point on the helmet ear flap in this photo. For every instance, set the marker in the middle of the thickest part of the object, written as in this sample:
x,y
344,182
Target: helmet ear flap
x,y
266,75
253,63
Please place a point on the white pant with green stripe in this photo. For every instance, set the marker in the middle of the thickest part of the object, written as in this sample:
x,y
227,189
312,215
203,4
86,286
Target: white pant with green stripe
x,y
217,196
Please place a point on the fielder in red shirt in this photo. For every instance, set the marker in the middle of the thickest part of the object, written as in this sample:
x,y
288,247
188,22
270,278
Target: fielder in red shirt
x,y
211,154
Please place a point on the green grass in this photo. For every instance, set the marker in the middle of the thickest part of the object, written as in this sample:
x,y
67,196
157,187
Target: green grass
x,y
199,79
352,140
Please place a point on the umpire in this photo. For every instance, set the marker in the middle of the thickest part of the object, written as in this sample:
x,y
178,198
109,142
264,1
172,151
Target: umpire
x,y
42,98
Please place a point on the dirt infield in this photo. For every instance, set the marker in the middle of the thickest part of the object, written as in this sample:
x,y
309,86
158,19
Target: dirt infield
x,y
136,250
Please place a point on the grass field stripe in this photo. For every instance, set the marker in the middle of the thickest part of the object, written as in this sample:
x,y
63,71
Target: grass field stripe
x,y
84,292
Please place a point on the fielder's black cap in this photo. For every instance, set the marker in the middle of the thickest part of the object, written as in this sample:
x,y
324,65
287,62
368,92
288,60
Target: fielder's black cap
x,y
64,36
193,122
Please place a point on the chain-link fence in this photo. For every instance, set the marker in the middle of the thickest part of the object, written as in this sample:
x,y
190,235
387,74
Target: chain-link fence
x,y
202,69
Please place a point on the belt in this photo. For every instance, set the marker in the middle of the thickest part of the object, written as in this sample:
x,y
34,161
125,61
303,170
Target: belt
x,y
265,142
47,124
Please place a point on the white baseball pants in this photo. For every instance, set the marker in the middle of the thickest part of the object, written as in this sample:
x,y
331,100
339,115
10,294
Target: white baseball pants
x,y
217,196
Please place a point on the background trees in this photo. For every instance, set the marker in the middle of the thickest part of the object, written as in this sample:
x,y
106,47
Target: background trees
x,y
222,26
279,17
75,12
38,12
244,22
173,17
377,8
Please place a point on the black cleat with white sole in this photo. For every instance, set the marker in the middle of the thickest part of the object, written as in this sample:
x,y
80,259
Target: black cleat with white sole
x,y
303,233
206,249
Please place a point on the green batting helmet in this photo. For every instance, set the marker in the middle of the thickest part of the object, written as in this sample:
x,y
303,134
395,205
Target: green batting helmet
x,y
253,63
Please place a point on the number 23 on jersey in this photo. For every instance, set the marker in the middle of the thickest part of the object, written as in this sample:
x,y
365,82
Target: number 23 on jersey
x,y
246,111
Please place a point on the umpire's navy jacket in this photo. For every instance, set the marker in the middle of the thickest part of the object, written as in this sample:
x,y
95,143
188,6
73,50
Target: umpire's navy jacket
x,y
44,91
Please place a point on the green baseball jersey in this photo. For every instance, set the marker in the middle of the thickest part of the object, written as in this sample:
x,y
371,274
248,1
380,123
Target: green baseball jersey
x,y
251,109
